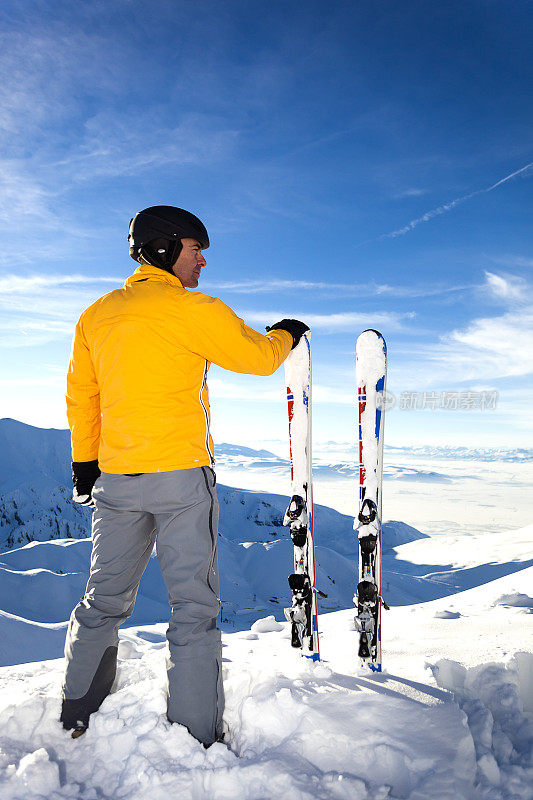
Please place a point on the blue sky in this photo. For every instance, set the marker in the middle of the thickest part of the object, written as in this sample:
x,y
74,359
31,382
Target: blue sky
x,y
357,164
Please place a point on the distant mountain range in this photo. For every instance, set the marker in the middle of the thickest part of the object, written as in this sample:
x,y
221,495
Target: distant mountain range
x,y
510,454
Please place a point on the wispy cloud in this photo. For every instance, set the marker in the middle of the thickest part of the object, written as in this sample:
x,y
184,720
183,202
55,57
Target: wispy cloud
x,y
265,286
35,330
82,63
112,146
333,323
448,206
494,347
40,309
410,193
509,177
14,284
55,139
332,289
507,287
23,198
486,351
36,225
513,261
33,190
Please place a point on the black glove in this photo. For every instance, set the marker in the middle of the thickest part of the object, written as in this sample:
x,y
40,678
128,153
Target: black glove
x,y
293,326
84,475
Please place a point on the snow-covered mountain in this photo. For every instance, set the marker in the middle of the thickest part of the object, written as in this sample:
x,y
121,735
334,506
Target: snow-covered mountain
x,y
35,486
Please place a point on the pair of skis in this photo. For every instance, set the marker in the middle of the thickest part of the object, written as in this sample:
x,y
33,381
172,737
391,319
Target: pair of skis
x,y
371,367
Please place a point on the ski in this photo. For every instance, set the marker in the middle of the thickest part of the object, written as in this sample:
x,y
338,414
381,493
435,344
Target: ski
x,y
299,515
371,374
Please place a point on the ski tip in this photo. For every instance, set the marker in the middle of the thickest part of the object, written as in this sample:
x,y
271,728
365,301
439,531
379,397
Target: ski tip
x,y
364,340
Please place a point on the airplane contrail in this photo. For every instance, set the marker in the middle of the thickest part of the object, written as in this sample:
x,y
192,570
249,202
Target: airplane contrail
x,y
447,206
508,178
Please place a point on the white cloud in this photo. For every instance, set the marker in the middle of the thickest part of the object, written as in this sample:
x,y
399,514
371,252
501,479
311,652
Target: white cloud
x,y
33,331
22,196
331,289
332,323
52,146
483,352
113,146
520,171
263,286
75,58
503,345
15,284
513,261
487,350
39,309
436,212
410,193
509,287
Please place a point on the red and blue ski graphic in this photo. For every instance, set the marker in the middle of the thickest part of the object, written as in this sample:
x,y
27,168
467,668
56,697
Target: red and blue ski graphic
x,y
303,613
371,373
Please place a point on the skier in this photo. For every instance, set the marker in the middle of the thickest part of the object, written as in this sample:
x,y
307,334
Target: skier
x,y
138,411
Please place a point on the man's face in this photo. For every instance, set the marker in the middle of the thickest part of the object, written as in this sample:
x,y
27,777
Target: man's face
x,y
190,262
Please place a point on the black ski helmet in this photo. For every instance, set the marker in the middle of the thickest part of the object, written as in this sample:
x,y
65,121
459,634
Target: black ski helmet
x,y
155,235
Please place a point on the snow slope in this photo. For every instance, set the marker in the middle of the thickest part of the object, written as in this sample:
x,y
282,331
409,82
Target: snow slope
x,y
41,582
458,729
296,729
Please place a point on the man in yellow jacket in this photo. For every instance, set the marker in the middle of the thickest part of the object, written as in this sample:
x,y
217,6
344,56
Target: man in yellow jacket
x,y
143,457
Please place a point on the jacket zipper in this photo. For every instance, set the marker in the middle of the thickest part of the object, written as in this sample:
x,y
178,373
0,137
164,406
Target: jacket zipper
x,y
206,414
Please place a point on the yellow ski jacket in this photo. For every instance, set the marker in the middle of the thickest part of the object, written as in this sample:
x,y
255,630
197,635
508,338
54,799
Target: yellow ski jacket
x,y
137,396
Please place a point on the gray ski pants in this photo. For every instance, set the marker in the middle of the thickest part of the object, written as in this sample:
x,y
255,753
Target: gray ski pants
x,y
178,511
